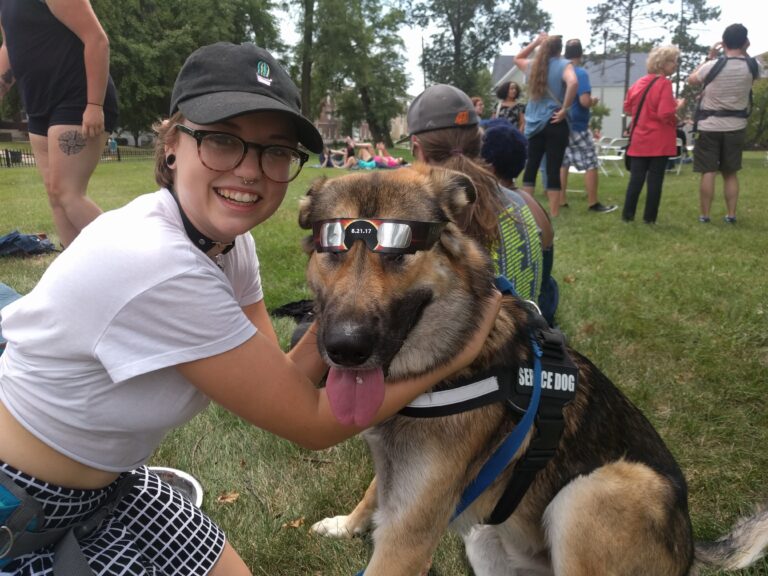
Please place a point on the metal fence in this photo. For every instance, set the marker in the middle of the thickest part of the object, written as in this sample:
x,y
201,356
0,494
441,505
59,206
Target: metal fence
x,y
13,158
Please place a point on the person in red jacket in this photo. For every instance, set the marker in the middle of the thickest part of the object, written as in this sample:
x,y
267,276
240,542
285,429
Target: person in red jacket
x,y
653,138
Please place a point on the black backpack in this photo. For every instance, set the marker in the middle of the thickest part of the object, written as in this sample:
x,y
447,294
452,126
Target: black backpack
x,y
716,69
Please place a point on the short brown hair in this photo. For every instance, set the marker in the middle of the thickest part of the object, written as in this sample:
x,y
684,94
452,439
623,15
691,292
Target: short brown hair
x,y
166,134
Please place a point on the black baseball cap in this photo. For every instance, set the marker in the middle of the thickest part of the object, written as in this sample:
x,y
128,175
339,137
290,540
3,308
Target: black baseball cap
x,y
438,107
224,80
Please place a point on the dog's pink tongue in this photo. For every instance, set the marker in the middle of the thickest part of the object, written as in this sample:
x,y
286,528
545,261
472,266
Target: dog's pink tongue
x,y
355,395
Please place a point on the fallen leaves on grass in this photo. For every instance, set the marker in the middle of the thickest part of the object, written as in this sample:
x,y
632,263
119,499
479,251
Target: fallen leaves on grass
x,y
297,523
228,497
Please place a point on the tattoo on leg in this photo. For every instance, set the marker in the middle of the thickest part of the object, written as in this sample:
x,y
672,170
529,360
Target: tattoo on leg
x,y
71,142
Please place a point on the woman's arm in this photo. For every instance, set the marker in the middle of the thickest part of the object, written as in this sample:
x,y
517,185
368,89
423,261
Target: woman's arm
x,y
668,105
521,60
571,85
274,391
304,354
78,16
6,74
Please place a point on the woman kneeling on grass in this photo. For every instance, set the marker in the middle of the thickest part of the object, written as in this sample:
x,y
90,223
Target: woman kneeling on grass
x,y
156,308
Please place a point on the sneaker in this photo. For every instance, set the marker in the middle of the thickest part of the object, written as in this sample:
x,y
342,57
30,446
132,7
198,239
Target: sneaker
x,y
597,207
181,481
729,219
704,219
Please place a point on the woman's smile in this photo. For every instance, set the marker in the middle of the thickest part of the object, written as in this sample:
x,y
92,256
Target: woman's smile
x,y
244,198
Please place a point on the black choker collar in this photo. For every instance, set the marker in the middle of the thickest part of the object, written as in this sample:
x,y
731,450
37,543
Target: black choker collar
x,y
210,247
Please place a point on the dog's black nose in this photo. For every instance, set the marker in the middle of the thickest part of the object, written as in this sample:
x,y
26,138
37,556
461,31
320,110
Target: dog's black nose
x,y
349,344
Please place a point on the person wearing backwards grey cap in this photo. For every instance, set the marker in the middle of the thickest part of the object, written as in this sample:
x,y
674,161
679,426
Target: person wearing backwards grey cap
x,y
444,131
153,311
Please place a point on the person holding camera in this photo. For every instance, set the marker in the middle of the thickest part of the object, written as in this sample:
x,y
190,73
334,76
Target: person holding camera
x,y
722,118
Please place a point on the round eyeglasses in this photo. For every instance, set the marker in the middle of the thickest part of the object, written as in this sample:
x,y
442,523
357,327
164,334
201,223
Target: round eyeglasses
x,y
221,151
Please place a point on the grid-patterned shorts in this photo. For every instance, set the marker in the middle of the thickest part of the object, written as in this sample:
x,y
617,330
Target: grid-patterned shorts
x,y
153,530
581,151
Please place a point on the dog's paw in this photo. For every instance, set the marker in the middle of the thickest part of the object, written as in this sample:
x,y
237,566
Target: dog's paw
x,y
336,527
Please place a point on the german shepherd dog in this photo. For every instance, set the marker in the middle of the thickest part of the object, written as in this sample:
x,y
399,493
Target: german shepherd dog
x,y
612,499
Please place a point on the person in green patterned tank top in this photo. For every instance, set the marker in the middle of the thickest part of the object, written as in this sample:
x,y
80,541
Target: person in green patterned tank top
x,y
444,131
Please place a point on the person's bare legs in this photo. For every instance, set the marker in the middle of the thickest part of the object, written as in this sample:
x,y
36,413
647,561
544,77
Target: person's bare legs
x,y
590,185
554,202
230,564
731,192
66,162
706,193
563,185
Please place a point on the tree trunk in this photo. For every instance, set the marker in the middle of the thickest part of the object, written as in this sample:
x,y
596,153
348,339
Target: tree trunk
x,y
377,132
627,63
306,59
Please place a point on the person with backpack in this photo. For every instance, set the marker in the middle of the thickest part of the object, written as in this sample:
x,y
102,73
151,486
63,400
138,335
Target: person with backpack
x,y
721,118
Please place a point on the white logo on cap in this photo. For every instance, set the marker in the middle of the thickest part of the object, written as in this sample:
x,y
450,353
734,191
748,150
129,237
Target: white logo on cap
x,y
263,73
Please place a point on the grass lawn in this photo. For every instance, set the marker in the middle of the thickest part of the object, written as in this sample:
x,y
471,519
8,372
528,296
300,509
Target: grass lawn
x,y
676,314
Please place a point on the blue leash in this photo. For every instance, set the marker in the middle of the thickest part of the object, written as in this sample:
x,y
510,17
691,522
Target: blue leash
x,y
504,453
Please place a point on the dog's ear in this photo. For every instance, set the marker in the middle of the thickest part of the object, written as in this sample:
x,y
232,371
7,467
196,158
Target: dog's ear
x,y
305,204
457,195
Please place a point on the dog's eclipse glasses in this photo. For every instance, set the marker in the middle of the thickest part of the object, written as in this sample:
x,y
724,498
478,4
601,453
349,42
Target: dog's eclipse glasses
x,y
379,234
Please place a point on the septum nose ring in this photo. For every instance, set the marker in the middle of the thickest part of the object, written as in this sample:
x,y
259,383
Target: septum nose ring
x,y
248,181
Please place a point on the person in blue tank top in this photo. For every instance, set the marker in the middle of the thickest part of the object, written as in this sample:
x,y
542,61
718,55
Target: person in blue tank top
x,y
552,85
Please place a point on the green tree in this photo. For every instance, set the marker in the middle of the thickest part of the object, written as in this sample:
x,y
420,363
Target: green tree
x,y
10,107
358,60
469,35
150,39
597,113
691,12
617,23
757,127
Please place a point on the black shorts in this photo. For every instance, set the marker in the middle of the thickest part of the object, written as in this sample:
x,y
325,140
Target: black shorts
x,y
69,112
153,530
719,151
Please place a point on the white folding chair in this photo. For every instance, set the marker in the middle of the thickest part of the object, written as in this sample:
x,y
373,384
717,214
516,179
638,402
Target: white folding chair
x,y
677,159
613,154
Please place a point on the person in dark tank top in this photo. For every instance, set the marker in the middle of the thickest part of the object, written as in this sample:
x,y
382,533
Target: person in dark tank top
x,y
58,54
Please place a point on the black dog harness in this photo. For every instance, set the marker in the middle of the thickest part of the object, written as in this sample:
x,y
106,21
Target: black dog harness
x,y
514,385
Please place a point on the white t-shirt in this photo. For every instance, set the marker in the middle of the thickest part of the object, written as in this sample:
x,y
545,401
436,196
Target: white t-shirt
x,y
90,363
